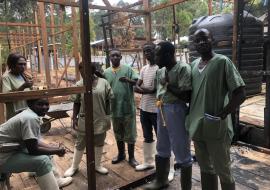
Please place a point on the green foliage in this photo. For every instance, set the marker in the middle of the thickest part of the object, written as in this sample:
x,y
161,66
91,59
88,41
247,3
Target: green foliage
x,y
185,13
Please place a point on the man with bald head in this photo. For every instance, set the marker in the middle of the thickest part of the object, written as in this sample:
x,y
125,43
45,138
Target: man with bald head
x,y
217,90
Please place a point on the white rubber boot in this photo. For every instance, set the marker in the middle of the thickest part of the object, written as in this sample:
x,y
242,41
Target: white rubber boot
x,y
77,157
149,157
61,181
47,182
171,173
98,153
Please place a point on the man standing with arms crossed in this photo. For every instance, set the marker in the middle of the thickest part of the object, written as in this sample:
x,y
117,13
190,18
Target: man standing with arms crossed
x,y
214,78
148,113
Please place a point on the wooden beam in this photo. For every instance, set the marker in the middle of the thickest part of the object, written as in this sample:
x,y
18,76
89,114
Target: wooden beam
x,y
2,108
107,3
61,2
63,41
38,46
64,72
118,9
21,24
26,95
210,7
18,24
55,62
147,18
44,43
167,4
91,6
88,97
16,33
75,46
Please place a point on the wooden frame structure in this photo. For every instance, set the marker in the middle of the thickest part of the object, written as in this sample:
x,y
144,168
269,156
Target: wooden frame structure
x,y
32,34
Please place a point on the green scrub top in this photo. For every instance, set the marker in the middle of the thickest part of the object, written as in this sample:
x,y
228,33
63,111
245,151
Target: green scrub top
x,y
179,77
11,82
102,95
123,103
211,89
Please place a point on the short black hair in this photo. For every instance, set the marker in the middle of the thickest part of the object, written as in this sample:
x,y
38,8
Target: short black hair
x,y
204,30
166,47
149,44
115,49
31,102
13,59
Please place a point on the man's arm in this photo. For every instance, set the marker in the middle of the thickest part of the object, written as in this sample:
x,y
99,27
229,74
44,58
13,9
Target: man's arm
x,y
34,148
182,95
238,97
142,90
130,81
76,110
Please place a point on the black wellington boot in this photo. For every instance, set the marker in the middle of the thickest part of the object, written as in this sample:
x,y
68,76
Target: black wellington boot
x,y
162,172
186,178
121,153
209,181
131,159
228,186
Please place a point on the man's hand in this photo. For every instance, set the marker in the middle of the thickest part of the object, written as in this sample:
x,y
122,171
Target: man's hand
x,y
123,79
61,152
28,84
222,115
75,123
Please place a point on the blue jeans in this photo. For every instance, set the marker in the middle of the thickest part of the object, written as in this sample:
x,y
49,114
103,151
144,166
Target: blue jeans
x,y
174,136
149,122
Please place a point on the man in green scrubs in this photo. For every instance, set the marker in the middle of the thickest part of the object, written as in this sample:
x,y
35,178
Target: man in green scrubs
x,y
25,151
214,78
122,79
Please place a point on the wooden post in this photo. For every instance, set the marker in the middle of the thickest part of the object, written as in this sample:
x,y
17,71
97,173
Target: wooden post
x,y
23,42
267,97
88,99
44,43
148,36
147,18
2,108
63,40
34,53
237,49
55,63
105,43
40,68
210,7
75,42
174,25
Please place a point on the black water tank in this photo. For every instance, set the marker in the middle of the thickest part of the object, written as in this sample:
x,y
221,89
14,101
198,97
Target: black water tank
x,y
221,27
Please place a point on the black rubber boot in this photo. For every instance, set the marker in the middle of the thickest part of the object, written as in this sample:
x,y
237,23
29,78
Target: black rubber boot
x,y
209,181
186,178
227,186
162,172
131,159
121,153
